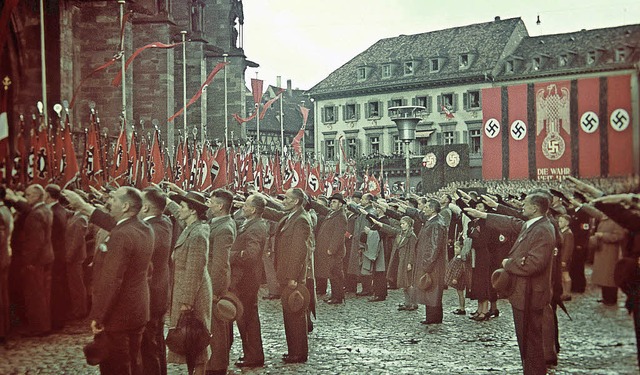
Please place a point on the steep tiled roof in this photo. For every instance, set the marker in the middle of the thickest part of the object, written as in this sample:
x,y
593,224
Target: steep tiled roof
x,y
485,42
576,46
290,106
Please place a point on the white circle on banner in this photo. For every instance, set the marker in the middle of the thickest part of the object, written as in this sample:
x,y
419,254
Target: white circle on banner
x,y
492,128
429,160
589,122
453,159
619,120
518,130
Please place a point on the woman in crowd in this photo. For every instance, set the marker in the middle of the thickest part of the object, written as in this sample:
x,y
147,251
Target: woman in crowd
x,y
610,239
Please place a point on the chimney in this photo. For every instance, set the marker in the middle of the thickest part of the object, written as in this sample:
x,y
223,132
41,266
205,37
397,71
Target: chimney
x,y
497,18
289,87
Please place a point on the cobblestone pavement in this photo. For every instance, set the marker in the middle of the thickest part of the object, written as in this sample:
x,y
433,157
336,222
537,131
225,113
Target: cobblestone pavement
x,y
361,337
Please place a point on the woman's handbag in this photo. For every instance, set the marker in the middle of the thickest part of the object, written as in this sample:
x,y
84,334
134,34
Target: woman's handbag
x,y
190,336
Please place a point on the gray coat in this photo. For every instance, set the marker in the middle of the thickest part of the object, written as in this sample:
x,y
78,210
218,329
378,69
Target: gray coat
x,y
191,282
431,257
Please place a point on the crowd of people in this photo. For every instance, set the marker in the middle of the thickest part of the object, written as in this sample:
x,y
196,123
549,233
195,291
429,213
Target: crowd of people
x,y
134,261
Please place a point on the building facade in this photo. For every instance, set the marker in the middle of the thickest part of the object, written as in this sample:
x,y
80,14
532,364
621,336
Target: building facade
x,y
454,75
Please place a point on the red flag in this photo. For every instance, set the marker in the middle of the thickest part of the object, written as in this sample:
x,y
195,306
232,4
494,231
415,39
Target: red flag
x,y
620,125
218,170
258,176
248,170
256,89
269,103
155,167
373,186
243,120
296,142
268,177
314,185
179,172
5,16
193,168
447,112
492,133
204,169
132,163
590,127
67,162
120,165
518,140
18,170
287,177
553,138
143,165
118,78
298,180
197,95
277,175
92,170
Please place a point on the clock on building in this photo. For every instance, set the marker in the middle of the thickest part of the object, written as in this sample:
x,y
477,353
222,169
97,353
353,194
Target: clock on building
x,y
453,159
429,160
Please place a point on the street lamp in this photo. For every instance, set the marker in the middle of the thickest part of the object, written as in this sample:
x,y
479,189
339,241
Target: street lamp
x,y
406,119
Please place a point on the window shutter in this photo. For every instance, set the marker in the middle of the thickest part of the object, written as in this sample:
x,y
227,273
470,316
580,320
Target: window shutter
x,y
439,138
404,101
357,111
344,112
429,104
456,137
323,146
455,102
413,101
335,113
322,113
439,102
358,148
480,99
380,109
367,110
465,101
465,136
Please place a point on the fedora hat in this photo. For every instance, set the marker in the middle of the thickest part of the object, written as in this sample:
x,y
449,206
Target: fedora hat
x,y
97,350
338,197
228,308
425,282
295,299
195,198
501,282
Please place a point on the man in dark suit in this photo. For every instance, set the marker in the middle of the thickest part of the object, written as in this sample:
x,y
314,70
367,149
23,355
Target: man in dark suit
x,y
33,242
60,300
330,248
153,349
221,237
76,254
292,251
120,307
529,268
246,275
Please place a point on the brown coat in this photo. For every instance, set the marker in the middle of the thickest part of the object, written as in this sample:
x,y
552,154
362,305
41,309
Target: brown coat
x,y
607,252
293,247
330,244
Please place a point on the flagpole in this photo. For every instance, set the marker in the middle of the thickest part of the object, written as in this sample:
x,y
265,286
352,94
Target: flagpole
x,y
122,60
43,59
257,126
226,107
279,83
184,79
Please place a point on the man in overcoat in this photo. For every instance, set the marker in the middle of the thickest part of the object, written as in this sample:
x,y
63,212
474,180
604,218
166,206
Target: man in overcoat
x,y
528,265
221,237
293,241
246,276
330,248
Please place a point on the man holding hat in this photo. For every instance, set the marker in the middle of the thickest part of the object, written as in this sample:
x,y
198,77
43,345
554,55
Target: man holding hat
x,y
529,267
292,250
246,275
330,248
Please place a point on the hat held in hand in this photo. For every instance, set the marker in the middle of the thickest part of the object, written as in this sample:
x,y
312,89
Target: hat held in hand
x,y
97,350
295,299
425,282
501,282
228,308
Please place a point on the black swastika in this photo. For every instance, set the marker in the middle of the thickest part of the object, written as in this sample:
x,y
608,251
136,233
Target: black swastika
x,y
492,128
620,120
518,130
589,122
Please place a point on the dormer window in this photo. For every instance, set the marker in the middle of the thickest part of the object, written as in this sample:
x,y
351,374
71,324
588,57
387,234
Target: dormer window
x,y
386,71
362,74
434,65
509,66
535,63
463,61
408,68
591,57
620,55
563,60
